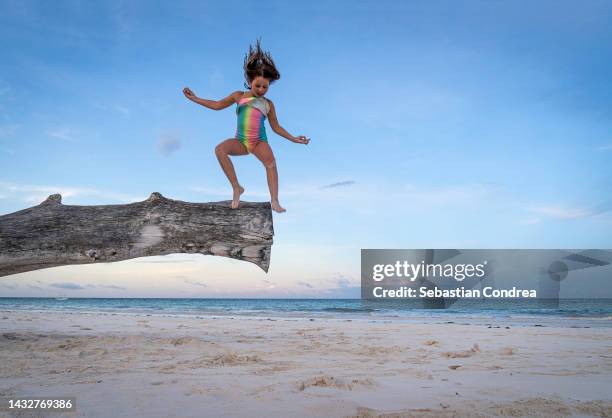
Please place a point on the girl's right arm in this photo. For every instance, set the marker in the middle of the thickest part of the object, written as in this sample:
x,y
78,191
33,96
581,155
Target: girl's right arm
x,y
213,104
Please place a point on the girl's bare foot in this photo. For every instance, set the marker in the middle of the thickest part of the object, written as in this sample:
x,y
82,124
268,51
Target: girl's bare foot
x,y
236,198
276,207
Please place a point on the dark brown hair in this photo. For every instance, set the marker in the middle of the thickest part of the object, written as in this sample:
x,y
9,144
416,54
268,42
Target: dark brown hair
x,y
259,63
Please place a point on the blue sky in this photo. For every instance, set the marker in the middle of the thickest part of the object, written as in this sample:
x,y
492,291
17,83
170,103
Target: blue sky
x,y
481,124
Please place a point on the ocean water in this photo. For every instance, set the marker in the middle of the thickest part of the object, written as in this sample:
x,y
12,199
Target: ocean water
x,y
569,312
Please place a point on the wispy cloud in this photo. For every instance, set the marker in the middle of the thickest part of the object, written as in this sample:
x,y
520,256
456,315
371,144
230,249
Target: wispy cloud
x,y
122,109
339,184
110,286
65,134
343,283
607,147
305,284
168,144
114,108
8,286
31,286
271,284
530,221
560,212
194,283
38,193
70,286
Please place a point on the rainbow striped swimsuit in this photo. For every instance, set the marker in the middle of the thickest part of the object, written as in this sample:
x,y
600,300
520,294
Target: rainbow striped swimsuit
x,y
252,112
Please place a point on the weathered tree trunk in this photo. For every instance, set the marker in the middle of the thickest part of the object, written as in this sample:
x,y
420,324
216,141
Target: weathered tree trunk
x,y
52,234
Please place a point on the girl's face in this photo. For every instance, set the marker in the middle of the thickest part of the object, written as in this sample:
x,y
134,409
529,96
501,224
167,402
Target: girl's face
x,y
259,86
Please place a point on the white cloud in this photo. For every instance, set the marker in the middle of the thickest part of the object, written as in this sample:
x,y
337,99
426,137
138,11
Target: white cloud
x,y
530,221
196,283
122,109
64,134
36,194
558,212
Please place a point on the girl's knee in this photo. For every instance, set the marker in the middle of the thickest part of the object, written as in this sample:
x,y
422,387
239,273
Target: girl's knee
x,y
220,150
270,164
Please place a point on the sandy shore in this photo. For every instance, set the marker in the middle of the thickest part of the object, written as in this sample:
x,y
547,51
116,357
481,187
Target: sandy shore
x,y
139,365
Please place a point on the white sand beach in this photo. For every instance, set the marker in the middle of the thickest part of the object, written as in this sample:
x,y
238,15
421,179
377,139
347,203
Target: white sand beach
x,y
119,365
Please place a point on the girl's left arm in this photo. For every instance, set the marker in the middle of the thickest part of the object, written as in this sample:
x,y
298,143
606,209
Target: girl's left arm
x,y
301,139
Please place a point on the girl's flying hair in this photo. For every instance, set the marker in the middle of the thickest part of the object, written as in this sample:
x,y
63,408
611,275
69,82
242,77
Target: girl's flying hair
x,y
259,63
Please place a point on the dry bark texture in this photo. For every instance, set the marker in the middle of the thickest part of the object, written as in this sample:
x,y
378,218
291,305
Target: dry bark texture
x,y
52,234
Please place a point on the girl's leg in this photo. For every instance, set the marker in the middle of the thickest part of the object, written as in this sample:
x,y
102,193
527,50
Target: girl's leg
x,y
264,153
226,148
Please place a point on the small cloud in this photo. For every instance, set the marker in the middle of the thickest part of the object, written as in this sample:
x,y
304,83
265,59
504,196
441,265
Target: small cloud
x,y
343,283
349,292
65,134
308,285
71,286
558,212
9,286
607,147
37,193
110,286
168,144
530,221
122,109
271,285
339,184
31,286
194,283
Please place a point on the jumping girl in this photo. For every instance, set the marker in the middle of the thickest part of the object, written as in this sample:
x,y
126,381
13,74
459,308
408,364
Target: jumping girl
x,y
252,110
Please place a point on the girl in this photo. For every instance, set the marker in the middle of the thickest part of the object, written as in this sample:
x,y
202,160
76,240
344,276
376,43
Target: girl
x,y
252,110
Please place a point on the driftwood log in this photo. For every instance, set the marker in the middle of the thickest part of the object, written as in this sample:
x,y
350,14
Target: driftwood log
x,y
52,234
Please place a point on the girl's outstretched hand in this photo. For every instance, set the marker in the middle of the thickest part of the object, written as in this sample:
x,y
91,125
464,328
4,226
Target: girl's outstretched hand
x,y
188,93
301,139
